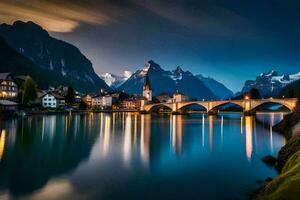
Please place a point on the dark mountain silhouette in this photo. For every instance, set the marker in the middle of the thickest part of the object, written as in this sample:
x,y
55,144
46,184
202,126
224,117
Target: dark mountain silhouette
x,y
163,81
58,59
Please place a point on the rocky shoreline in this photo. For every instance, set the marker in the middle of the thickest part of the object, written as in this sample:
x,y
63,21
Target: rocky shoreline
x,y
287,184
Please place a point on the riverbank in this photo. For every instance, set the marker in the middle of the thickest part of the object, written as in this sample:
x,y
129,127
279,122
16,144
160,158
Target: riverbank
x,y
286,185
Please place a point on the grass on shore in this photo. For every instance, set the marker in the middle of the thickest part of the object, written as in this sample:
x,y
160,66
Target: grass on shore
x,y
287,185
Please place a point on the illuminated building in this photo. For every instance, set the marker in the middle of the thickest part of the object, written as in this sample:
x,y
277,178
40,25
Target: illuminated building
x,y
8,88
179,97
102,102
52,100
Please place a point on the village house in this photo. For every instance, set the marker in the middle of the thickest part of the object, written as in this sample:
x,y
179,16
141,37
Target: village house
x,y
52,100
102,102
179,97
88,100
8,87
133,103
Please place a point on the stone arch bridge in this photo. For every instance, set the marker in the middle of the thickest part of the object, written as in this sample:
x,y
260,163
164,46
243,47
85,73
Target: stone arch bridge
x,y
248,105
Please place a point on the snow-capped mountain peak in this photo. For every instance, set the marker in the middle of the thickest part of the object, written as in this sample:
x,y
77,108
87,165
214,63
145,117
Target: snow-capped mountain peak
x,y
115,81
270,83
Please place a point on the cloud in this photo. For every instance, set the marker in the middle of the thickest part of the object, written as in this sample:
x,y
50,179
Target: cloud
x,y
206,18
54,17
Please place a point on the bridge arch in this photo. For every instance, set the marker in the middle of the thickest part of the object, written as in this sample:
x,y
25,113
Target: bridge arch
x,y
256,105
186,105
218,105
153,107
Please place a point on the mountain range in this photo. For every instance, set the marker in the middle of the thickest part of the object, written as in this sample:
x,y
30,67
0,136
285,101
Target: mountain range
x,y
49,56
178,80
27,49
270,83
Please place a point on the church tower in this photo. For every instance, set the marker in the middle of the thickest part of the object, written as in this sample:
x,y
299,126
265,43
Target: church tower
x,y
147,92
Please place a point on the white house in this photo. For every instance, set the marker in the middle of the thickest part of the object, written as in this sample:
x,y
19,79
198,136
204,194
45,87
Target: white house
x,y
52,100
102,101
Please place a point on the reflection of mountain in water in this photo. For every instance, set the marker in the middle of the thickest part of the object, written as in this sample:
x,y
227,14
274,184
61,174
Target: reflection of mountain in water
x,y
40,148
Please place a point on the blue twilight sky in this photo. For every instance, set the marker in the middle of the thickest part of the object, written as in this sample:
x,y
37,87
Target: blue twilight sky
x,y
229,40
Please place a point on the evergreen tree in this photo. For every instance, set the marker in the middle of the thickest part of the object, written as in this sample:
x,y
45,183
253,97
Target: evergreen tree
x,y
70,97
30,91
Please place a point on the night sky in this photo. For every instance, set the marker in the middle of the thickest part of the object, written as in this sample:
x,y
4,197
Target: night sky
x,y
231,40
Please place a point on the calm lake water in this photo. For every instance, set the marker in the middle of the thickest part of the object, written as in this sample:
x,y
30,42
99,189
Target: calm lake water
x,y
132,156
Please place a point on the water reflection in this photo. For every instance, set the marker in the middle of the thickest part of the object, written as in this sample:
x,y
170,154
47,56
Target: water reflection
x,y
176,136
2,143
249,132
173,148
145,138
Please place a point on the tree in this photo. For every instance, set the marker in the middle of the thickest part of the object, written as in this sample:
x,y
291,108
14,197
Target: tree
x,y
30,91
70,97
254,93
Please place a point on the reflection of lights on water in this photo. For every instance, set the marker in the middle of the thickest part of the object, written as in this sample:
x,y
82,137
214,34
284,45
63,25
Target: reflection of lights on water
x,y
113,121
249,129
203,121
43,128
222,123
50,124
242,125
271,132
145,137
127,139
179,135
101,124
106,139
2,143
211,132
176,133
171,130
135,128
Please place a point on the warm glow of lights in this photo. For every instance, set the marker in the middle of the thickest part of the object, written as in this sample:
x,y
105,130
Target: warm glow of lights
x,y
3,94
127,139
174,132
145,137
179,135
2,143
246,97
106,139
249,131
247,105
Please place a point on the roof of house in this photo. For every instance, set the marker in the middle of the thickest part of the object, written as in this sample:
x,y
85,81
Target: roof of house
x,y
57,96
4,102
4,76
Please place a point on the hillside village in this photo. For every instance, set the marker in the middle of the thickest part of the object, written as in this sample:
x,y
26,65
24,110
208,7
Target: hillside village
x,y
65,98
